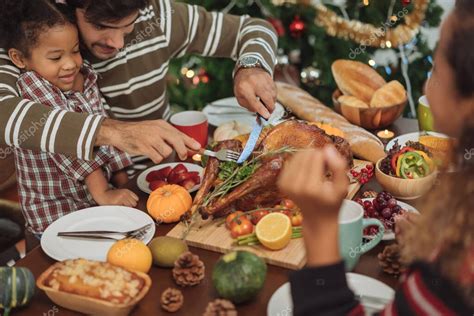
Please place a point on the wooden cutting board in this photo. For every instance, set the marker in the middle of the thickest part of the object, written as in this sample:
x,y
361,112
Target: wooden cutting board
x,y
210,235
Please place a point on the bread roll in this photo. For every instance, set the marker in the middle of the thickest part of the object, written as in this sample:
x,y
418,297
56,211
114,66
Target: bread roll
x,y
357,79
392,93
363,144
352,101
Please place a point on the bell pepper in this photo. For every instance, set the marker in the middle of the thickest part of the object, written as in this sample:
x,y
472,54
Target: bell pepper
x,y
395,157
412,166
427,158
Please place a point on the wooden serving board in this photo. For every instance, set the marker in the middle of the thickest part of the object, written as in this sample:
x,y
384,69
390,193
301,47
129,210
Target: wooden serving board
x,y
210,235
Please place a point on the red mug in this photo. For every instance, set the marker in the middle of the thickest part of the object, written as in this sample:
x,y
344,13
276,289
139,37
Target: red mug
x,y
192,123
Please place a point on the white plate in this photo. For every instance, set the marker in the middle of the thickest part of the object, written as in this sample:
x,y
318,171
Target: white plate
x,y
144,185
116,218
390,235
219,112
414,137
281,303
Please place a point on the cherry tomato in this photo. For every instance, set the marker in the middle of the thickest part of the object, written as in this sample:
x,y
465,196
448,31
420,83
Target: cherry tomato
x,y
288,204
296,219
244,227
231,219
257,216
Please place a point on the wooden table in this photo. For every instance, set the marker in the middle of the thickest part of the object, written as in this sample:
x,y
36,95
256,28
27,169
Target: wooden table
x,y
197,298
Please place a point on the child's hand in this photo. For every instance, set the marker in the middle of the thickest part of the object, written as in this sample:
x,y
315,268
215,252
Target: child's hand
x,y
118,197
304,181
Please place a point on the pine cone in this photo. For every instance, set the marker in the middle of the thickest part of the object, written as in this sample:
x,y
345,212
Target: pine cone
x,y
390,261
220,308
172,300
188,270
369,194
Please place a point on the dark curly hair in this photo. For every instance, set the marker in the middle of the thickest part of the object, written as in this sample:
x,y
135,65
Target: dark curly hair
x,y
22,21
107,10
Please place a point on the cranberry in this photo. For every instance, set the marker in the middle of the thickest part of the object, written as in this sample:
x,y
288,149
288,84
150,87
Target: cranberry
x,y
364,170
355,174
359,200
373,230
369,167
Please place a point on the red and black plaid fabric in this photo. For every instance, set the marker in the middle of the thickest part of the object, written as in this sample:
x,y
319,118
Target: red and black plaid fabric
x,y
52,185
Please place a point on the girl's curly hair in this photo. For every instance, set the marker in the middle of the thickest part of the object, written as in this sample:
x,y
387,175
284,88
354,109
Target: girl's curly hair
x,y
22,21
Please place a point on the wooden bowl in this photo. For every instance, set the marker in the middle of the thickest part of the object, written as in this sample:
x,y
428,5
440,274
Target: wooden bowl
x,y
405,189
91,306
369,118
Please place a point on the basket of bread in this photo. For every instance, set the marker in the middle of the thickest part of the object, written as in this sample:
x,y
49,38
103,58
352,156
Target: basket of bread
x,y
364,98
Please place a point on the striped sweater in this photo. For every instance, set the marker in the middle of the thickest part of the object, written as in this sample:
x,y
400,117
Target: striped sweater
x,y
423,291
133,83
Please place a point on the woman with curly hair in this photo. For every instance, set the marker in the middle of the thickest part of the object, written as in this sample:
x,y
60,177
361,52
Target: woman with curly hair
x,y
439,245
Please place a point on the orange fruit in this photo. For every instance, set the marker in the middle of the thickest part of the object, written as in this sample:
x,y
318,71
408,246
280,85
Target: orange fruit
x,y
274,231
130,254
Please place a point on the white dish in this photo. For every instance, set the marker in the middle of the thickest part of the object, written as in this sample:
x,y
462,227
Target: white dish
x,y
414,137
228,109
390,235
281,303
116,218
143,185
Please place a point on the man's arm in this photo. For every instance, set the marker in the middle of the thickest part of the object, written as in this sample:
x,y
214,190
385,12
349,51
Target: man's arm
x,y
30,125
191,29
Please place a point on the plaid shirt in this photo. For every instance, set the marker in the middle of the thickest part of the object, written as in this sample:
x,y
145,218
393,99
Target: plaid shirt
x,y
52,185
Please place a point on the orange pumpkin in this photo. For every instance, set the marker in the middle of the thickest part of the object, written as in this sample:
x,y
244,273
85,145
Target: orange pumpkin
x,y
168,203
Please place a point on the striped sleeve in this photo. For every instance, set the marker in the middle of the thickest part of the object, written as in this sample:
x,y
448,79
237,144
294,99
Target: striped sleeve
x,y
194,30
29,125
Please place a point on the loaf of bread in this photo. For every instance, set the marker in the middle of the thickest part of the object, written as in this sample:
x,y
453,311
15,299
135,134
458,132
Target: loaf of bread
x,y
352,101
390,94
363,144
357,79
93,279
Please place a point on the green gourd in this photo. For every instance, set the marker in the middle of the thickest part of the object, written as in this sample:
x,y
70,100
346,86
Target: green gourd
x,y
17,286
239,275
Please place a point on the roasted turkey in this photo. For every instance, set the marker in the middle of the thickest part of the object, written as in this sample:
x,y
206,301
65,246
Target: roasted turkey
x,y
260,189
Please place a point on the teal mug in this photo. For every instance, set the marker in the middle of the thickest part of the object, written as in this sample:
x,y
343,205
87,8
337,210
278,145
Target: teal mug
x,y
351,226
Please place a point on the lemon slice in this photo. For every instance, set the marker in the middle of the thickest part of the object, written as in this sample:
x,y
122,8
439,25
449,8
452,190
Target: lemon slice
x,y
274,231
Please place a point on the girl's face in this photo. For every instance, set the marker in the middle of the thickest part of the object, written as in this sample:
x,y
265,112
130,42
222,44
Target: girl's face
x,y
56,57
448,107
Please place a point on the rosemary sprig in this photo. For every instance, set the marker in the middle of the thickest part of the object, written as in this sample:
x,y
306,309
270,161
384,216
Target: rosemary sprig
x,y
241,174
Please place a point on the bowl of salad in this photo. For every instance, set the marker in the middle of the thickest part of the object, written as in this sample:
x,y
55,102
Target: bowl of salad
x,y
407,172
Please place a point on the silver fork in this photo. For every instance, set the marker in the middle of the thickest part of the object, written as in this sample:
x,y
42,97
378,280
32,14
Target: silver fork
x,y
128,234
222,155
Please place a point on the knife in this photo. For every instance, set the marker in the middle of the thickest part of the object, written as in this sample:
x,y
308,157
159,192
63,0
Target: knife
x,y
253,138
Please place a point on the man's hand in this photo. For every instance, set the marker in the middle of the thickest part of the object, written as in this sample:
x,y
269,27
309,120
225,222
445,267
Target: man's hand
x,y
154,139
304,181
253,84
121,197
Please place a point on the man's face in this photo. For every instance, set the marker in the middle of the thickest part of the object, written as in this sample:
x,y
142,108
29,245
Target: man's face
x,y
104,39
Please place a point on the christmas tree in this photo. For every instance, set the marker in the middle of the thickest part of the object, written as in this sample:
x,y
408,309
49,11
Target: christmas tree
x,y
311,36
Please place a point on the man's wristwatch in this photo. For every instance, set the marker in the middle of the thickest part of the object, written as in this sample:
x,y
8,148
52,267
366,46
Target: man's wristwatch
x,y
249,62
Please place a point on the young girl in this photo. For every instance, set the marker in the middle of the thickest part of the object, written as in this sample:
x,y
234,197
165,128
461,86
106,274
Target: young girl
x,y
44,44
440,243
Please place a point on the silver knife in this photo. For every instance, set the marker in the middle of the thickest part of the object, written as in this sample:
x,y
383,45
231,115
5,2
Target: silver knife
x,y
253,138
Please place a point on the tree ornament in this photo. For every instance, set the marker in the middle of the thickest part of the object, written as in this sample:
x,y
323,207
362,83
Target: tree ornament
x,y
297,27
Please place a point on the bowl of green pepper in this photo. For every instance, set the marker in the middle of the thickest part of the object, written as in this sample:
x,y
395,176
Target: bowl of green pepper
x,y
407,173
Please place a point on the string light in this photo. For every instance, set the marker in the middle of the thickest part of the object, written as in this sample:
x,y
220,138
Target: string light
x,y
372,63
388,44
190,74
184,70
366,2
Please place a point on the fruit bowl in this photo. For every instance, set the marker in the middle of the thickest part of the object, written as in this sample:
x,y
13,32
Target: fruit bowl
x,y
369,118
405,189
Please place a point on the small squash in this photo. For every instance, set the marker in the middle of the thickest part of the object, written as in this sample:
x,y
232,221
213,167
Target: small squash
x,y
168,203
17,286
239,275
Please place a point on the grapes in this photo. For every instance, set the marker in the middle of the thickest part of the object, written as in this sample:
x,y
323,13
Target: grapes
x,y
373,230
397,209
359,200
370,211
387,213
367,204
392,203
382,204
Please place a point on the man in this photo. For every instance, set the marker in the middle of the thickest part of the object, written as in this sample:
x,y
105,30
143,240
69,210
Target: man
x,y
130,44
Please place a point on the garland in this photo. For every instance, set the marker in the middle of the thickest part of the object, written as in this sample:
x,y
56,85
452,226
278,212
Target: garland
x,y
367,34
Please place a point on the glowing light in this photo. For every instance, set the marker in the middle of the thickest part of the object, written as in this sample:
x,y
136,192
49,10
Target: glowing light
x,y
184,70
372,62
388,44
190,74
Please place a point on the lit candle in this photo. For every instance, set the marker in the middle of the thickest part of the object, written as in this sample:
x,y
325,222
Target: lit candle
x,y
197,157
386,134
